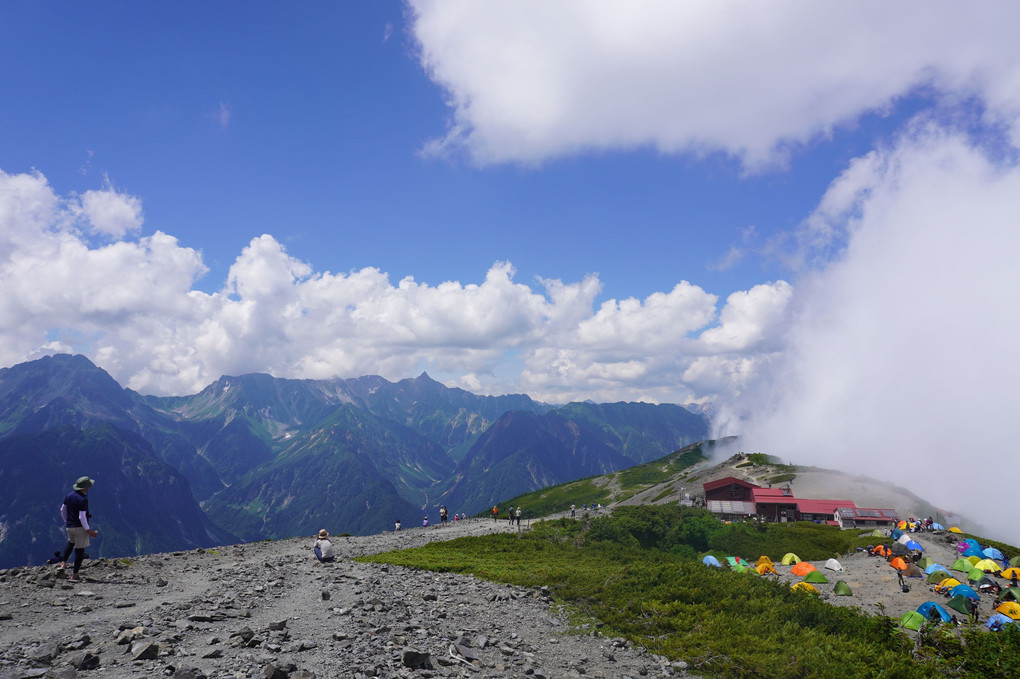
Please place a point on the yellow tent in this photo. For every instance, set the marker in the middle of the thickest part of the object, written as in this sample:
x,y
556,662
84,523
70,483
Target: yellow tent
x,y
810,589
954,529
763,559
790,558
973,560
947,584
1010,573
1010,608
988,566
764,568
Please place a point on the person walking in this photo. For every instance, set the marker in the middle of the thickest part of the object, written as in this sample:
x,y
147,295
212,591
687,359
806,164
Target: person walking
x,y
510,515
323,548
518,515
75,513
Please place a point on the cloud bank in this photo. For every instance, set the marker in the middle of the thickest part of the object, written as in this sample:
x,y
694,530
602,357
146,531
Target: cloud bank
x,y
532,80
132,306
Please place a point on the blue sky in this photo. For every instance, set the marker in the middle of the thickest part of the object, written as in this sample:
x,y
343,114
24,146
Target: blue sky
x,y
799,213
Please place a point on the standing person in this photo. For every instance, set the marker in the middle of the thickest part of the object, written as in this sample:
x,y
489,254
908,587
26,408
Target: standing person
x,y
442,515
323,548
510,515
396,526
495,513
75,512
518,516
573,510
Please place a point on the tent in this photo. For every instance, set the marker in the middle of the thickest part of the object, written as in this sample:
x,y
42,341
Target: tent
x,y
954,529
739,567
988,566
763,559
734,560
937,526
965,590
1010,573
902,525
790,558
711,561
912,571
958,603
895,535
764,568
904,539
987,583
936,567
815,577
936,577
1010,594
842,589
975,575
802,568
805,587
912,620
900,549
873,534
997,621
898,563
925,561
972,559
1009,608
973,543
833,565
973,552
962,565
881,550
947,583
932,611
914,544
992,553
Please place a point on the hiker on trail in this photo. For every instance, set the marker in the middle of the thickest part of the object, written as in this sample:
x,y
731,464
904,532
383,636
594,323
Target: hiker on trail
x,y
495,513
75,513
396,526
518,516
573,511
323,548
510,514
442,515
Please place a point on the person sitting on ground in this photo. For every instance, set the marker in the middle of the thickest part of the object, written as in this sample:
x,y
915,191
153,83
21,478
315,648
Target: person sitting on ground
x,y
323,548
425,522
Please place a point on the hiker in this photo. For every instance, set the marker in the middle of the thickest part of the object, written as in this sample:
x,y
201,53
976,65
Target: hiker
x,y
495,513
75,513
518,516
425,522
442,515
972,608
510,514
573,511
396,526
323,548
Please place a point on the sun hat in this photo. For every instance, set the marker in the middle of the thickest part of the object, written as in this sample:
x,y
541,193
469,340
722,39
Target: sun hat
x,y
83,483
323,534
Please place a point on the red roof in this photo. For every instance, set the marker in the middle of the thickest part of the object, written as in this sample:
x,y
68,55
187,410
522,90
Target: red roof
x,y
722,483
821,506
772,495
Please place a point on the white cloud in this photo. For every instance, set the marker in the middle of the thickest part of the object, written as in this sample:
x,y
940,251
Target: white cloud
x,y
899,360
132,307
110,213
532,80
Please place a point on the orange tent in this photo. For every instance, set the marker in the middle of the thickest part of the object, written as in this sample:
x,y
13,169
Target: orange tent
x,y
881,550
899,564
802,568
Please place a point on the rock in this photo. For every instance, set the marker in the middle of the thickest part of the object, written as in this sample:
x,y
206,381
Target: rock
x,y
145,649
190,673
413,658
44,653
83,661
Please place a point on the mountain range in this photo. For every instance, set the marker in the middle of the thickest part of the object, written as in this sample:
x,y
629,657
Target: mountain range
x,y
252,457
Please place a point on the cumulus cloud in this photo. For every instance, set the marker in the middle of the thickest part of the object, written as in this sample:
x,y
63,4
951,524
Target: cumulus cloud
x,y
898,359
131,305
111,213
527,81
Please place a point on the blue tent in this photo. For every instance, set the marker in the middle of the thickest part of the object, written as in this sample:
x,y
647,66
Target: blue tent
x,y
973,551
973,543
998,621
965,590
927,607
992,553
914,544
895,535
711,561
937,526
935,567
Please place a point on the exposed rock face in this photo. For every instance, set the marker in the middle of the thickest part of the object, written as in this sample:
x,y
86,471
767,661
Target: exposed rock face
x,y
270,611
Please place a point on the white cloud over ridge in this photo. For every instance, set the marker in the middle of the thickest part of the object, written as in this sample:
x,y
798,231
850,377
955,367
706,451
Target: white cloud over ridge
x,y
131,305
533,80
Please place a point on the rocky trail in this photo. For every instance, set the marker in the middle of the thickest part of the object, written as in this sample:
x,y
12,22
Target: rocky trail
x,y
269,610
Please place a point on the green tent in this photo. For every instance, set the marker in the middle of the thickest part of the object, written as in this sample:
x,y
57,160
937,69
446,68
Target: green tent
x,y
815,576
842,589
1010,594
935,577
873,534
925,562
975,575
912,620
961,565
958,603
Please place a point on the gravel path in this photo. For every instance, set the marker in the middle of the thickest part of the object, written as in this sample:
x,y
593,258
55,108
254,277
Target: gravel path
x,y
269,610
